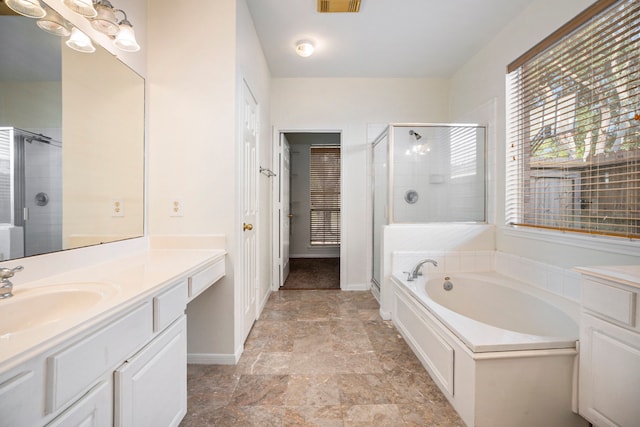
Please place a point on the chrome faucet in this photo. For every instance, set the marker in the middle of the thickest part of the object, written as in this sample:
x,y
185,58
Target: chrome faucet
x,y
6,287
415,271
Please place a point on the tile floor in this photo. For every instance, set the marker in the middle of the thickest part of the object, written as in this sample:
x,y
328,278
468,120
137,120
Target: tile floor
x,y
319,358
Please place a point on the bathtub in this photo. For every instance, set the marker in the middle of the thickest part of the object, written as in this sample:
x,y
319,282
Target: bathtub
x,y
503,353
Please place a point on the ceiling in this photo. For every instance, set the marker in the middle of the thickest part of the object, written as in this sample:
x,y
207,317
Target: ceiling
x,y
387,38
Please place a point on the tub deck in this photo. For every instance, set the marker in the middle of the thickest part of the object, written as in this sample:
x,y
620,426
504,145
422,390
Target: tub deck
x,y
481,337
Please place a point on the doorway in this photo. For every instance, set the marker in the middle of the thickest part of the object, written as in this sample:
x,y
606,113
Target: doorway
x,y
308,210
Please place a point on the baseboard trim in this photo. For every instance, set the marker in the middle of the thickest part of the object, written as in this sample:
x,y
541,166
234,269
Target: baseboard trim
x,y
212,359
356,287
328,255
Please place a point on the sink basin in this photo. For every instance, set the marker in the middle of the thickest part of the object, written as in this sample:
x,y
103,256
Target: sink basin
x,y
44,305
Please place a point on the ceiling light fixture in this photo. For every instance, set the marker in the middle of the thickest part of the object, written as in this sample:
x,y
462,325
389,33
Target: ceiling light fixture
x,y
80,41
28,8
53,23
304,48
82,7
126,37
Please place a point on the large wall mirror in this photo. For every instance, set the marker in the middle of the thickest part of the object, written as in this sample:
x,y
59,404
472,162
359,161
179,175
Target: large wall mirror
x,y
71,144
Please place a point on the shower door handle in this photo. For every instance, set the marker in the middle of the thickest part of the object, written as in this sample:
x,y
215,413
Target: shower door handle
x,y
25,214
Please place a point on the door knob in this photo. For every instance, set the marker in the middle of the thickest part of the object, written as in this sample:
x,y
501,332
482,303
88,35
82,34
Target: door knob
x,y
246,227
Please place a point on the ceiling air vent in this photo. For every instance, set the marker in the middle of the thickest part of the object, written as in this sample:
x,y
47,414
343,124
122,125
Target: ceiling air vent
x,y
327,6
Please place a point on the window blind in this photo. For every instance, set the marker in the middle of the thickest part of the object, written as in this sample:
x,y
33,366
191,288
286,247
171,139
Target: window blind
x,y
324,192
573,156
6,205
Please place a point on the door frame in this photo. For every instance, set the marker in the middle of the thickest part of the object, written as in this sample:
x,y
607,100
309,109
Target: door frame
x,y
275,208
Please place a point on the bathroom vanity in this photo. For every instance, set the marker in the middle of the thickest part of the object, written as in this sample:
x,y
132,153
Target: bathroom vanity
x,y
610,346
118,360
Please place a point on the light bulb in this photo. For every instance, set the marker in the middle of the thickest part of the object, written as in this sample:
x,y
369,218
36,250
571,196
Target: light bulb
x,y
80,42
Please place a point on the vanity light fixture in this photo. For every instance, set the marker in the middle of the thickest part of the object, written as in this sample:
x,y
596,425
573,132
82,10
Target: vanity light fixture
x,y
126,38
80,41
304,48
82,7
53,23
105,21
28,8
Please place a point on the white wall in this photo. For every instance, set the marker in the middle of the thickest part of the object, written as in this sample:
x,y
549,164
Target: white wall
x,y
348,105
482,79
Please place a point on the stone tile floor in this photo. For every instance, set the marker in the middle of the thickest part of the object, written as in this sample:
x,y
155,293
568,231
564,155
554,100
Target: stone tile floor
x,y
319,358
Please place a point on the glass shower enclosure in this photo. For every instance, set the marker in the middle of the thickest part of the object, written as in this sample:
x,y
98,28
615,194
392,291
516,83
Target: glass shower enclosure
x,y
30,193
426,173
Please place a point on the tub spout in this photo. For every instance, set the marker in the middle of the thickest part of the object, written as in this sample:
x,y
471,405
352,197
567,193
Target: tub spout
x,y
415,271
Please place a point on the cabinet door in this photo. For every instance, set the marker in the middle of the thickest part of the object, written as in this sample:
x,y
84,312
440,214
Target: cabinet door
x,y
92,410
609,373
20,395
151,387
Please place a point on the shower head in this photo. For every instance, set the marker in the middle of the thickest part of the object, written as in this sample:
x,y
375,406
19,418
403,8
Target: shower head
x,y
415,134
39,137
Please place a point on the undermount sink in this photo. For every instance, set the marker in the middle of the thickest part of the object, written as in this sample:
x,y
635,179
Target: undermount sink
x,y
44,305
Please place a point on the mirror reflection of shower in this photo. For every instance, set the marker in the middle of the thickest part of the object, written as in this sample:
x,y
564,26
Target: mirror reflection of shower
x,y
30,192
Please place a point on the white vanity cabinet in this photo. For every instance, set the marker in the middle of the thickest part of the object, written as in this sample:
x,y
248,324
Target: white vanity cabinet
x,y
151,387
609,380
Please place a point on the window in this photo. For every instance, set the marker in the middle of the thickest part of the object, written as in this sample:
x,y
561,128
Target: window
x,y
325,195
573,159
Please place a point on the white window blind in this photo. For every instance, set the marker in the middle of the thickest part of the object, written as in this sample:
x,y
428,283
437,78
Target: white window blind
x,y
325,195
6,205
573,157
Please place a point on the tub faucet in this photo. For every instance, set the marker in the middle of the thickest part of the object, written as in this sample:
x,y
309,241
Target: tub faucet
x,y
415,271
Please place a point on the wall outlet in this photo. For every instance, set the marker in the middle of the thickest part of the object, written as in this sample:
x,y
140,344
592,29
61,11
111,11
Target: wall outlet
x,y
117,207
176,208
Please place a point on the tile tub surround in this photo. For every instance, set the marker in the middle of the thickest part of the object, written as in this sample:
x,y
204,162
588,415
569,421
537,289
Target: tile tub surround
x,y
134,276
319,358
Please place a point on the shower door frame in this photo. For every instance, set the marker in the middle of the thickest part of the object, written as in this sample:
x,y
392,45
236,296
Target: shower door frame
x,y
390,211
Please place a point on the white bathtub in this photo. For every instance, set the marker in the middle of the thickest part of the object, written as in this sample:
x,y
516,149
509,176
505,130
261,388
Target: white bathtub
x,y
503,353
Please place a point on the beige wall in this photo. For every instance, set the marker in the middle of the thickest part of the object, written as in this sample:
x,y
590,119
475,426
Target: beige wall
x,y
103,149
196,65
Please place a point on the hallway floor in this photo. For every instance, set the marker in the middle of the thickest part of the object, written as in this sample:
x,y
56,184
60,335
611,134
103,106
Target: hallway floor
x,y
319,358
313,273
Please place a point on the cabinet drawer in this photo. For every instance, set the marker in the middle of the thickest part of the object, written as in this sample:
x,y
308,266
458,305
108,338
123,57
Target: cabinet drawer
x,y
71,371
612,302
169,305
204,278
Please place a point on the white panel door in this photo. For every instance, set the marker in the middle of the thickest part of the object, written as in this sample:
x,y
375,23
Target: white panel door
x,y
249,210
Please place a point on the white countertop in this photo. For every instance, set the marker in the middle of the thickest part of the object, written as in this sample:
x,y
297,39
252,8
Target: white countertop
x,y
134,278
625,274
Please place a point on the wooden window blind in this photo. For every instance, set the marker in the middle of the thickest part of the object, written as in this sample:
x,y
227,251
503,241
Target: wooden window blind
x,y
573,154
324,192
